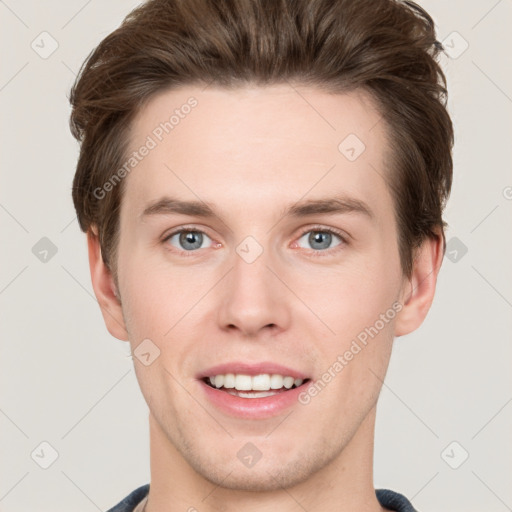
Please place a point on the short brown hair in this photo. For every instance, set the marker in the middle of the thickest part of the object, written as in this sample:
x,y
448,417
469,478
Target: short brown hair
x,y
386,47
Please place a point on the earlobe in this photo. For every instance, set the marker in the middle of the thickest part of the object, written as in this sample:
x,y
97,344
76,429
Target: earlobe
x,y
418,291
105,289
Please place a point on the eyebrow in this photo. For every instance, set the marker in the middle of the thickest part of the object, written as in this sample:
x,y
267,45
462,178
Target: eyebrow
x,y
330,205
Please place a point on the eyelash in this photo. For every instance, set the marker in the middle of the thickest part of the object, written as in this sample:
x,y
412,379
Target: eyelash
x,y
315,253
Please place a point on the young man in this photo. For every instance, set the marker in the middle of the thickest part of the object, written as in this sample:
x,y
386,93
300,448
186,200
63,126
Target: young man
x,y
262,184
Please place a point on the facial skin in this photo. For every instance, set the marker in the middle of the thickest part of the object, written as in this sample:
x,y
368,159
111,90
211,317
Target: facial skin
x,y
250,153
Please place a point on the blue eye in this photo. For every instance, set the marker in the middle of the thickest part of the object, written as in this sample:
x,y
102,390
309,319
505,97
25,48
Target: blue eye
x,y
321,239
188,239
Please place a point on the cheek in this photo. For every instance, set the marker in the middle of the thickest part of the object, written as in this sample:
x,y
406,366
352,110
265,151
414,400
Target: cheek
x,y
357,305
348,299
160,300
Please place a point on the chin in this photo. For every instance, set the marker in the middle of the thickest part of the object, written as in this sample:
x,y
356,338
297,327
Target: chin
x,y
272,472
266,478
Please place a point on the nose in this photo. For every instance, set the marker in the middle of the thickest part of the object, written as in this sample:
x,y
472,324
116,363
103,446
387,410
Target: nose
x,y
253,298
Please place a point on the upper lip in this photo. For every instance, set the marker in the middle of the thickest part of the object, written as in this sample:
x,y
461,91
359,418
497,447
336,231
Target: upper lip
x,y
248,368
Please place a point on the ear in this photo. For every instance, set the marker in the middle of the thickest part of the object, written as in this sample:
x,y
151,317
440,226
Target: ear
x,y
105,289
417,292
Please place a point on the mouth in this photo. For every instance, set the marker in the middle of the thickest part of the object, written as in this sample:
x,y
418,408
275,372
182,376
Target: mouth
x,y
251,387
251,391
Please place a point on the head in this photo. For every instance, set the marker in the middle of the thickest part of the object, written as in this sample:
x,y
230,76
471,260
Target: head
x,y
250,109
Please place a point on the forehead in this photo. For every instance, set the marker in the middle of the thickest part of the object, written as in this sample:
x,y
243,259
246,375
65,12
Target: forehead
x,y
255,146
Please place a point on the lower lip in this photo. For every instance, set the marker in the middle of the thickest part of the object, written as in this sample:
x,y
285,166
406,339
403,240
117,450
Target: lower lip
x,y
253,408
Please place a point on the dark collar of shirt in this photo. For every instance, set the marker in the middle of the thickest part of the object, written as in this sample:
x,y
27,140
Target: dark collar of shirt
x,y
388,499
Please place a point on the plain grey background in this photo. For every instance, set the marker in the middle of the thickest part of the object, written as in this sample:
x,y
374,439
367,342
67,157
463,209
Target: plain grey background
x,y
445,414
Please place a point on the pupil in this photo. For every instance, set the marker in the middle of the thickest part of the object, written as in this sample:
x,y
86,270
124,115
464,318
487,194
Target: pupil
x,y
318,236
188,238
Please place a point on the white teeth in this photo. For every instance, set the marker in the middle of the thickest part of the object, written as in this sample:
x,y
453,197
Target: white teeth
x,y
276,382
262,382
252,394
229,381
242,382
288,382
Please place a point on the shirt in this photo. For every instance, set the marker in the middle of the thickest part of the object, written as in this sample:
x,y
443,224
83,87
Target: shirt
x,y
392,500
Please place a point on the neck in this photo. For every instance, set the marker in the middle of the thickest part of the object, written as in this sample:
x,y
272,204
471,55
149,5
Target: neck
x,y
344,484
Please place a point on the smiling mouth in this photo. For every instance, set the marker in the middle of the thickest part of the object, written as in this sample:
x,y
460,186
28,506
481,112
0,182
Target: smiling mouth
x,y
232,386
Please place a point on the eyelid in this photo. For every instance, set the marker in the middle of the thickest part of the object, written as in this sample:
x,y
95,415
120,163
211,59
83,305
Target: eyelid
x,y
184,228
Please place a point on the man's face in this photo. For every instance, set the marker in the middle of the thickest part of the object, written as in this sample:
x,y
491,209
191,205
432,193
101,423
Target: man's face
x,y
256,285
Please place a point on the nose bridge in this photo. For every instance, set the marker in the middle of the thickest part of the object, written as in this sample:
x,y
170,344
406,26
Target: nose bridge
x,y
252,295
